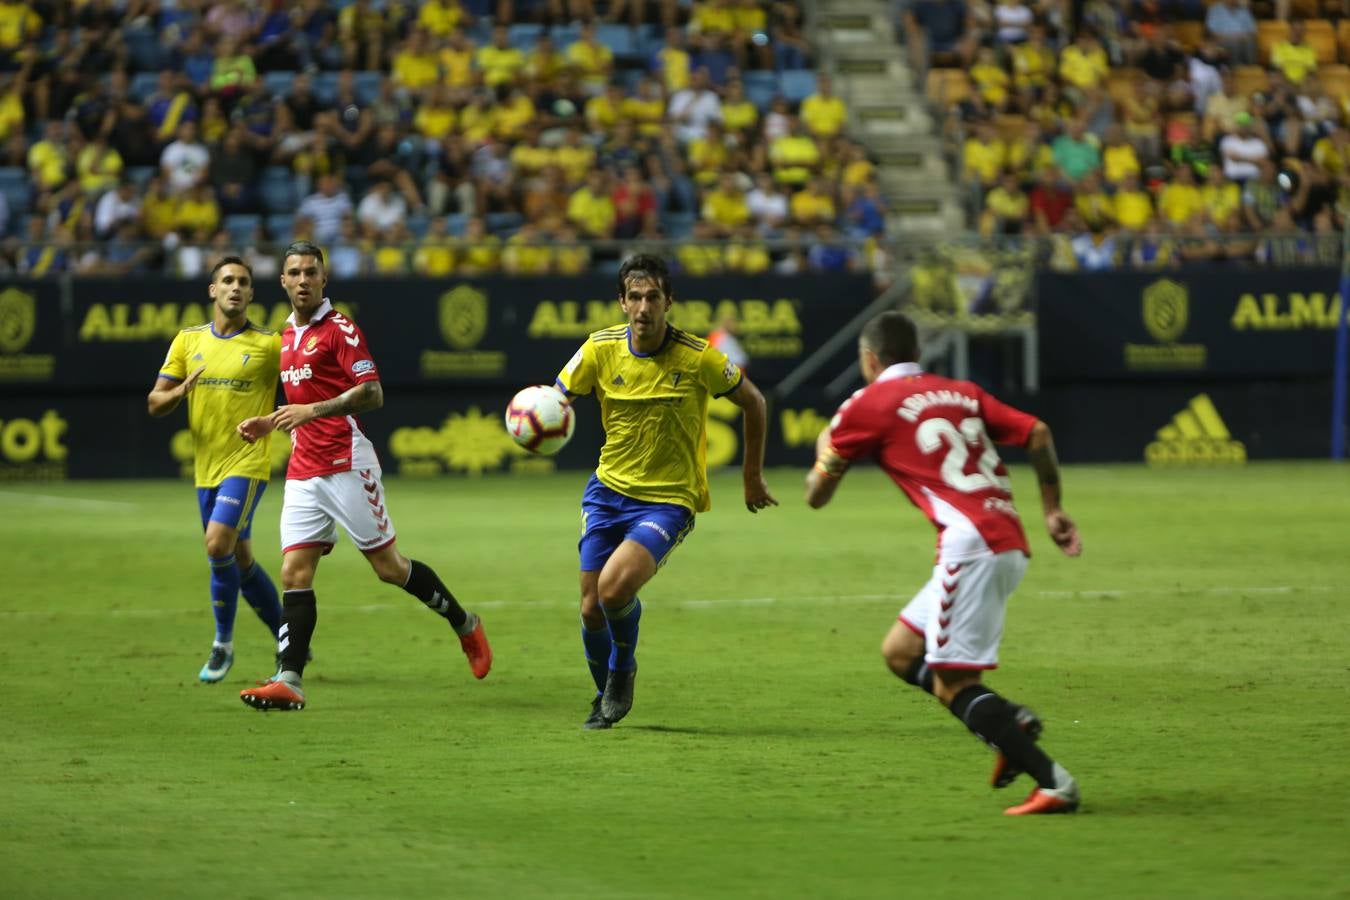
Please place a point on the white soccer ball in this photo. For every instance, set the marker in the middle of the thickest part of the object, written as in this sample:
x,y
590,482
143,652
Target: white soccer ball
x,y
540,419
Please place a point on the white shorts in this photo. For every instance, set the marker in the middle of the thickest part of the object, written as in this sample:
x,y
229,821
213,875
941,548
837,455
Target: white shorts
x,y
312,508
959,612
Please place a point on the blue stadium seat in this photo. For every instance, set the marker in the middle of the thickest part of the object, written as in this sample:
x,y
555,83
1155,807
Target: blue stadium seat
x,y
760,87
142,85
454,224
524,36
798,84
279,226
278,189
143,48
18,194
278,83
241,227
619,39
502,223
565,35
676,225
417,225
367,86
141,175
325,87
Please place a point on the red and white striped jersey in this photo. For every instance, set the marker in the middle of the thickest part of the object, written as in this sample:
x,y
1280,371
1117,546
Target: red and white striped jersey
x,y
319,361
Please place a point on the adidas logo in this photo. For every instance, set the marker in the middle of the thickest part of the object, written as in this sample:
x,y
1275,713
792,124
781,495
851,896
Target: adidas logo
x,y
618,379
1195,436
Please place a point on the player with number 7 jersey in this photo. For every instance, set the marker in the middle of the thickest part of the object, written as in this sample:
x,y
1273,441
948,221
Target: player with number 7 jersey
x,y
935,437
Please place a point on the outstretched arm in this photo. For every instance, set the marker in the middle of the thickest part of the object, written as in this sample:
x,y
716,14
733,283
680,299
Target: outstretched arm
x,y
1041,452
755,420
824,476
363,397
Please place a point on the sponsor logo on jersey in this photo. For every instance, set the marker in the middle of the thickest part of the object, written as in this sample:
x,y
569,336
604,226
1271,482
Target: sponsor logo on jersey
x,y
234,384
1195,436
362,366
296,374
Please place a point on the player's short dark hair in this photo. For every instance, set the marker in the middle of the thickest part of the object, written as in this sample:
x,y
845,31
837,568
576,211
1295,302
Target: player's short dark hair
x,y
302,248
893,337
230,261
645,265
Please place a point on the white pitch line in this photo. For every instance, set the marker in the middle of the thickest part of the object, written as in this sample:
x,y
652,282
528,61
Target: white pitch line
x,y
69,502
699,603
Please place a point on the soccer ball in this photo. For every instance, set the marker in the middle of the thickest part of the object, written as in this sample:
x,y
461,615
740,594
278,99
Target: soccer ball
x,y
540,419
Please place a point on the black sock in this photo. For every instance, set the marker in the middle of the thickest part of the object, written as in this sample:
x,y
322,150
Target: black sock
x,y
425,585
298,615
919,675
994,720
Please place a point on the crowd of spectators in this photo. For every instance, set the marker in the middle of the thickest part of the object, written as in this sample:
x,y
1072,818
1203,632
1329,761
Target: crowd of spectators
x,y
1145,133
441,137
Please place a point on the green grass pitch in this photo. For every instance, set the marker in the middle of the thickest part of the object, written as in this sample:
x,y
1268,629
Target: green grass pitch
x,y
1191,668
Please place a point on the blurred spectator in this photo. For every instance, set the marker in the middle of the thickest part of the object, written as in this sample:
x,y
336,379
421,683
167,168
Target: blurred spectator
x,y
1094,205
767,204
186,162
570,256
590,60
940,33
415,65
1132,206
98,166
381,209
326,208
347,253
671,63
49,165
984,154
725,338
527,252
1033,65
1074,153
1083,64
1262,197
1012,21
725,207
233,72
1244,151
500,62
814,205
991,81
1005,208
1096,250
1295,58
634,206
479,252
701,254
197,215
158,207
1118,157
434,256
390,255
40,255
1180,200
791,50
591,208
1222,198
316,38
865,211
823,112
691,109
828,255
1221,110
230,20
1232,26
794,156
360,29
440,17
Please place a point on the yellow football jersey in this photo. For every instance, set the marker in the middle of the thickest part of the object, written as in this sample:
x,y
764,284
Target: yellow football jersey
x,y
240,381
654,409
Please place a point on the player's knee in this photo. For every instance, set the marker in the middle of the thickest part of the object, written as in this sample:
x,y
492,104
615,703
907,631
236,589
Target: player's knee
x,y
219,545
616,589
296,575
947,683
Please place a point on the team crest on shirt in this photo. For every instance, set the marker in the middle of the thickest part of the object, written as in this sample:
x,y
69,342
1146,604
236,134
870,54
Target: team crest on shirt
x,y
311,345
729,371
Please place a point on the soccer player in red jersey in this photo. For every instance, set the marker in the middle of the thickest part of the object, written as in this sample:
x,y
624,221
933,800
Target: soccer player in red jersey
x,y
935,438
333,478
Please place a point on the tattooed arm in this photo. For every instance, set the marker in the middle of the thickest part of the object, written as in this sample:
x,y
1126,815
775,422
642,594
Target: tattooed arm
x,y
364,397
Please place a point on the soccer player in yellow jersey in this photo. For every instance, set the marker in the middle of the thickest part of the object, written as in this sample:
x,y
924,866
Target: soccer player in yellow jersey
x,y
227,370
653,381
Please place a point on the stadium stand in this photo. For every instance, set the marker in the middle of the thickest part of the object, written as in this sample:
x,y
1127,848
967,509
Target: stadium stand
x,y
491,119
